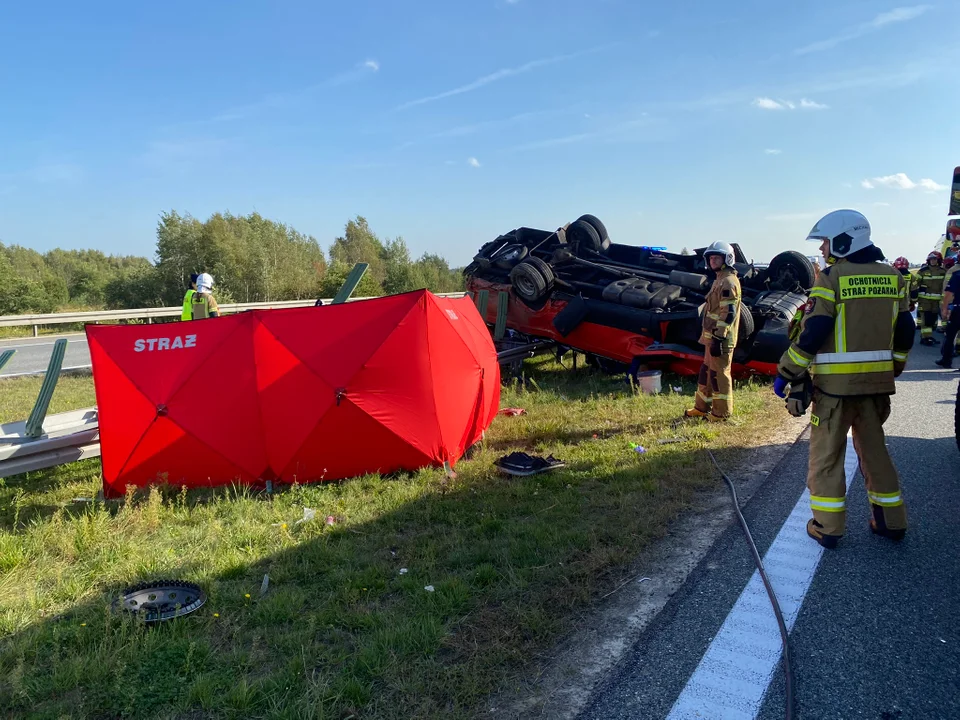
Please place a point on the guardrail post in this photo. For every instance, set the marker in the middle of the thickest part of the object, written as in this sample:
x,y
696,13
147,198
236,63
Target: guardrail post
x,y
483,297
5,357
350,284
36,330
500,329
34,428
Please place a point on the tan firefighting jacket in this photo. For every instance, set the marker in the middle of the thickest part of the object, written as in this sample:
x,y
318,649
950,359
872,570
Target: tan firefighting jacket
x,y
847,338
721,314
930,283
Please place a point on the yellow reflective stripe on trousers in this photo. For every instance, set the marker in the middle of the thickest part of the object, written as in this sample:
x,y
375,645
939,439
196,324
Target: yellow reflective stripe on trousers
x,y
840,329
797,357
827,504
823,294
930,296
718,396
885,499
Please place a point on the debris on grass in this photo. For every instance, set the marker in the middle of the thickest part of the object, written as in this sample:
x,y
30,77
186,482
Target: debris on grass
x,y
512,412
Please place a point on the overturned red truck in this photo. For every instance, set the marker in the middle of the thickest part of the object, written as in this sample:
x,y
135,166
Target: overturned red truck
x,y
631,306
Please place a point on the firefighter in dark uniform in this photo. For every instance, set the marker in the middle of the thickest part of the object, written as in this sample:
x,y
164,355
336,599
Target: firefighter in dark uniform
x,y
856,334
721,319
929,295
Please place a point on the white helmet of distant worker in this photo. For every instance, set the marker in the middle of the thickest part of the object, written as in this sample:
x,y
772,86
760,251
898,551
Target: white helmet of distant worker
x,y
204,283
847,230
719,247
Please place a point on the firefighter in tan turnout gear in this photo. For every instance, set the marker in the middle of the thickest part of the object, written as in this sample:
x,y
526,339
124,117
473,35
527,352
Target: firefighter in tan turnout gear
x,y
856,334
929,284
721,317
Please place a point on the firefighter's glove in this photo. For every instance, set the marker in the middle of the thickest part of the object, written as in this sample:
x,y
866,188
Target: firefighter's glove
x,y
715,347
780,387
799,399
898,367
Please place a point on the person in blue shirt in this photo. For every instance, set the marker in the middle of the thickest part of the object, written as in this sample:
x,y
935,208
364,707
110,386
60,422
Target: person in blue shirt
x,y
950,296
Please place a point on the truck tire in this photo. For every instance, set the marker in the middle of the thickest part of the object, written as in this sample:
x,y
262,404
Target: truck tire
x,y
597,225
747,324
509,256
585,240
532,280
746,327
790,269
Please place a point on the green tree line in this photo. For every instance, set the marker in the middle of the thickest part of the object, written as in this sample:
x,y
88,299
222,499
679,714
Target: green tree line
x,y
251,258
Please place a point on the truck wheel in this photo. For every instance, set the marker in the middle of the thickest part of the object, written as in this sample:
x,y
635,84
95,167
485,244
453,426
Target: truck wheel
x,y
532,280
791,269
509,256
585,240
597,225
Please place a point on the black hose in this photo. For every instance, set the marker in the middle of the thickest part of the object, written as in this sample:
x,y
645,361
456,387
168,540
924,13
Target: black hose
x,y
784,634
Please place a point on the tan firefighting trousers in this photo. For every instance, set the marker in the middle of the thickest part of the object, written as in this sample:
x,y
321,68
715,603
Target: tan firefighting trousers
x,y
832,418
928,319
715,385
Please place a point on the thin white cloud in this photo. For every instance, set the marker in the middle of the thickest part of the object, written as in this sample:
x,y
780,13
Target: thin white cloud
x,y
765,103
287,99
625,131
897,15
772,151
881,204
473,162
901,181
495,77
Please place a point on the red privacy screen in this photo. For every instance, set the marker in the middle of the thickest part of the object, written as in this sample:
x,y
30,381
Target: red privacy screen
x,y
306,394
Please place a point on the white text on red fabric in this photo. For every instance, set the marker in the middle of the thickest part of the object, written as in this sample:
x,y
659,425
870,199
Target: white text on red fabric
x,y
175,343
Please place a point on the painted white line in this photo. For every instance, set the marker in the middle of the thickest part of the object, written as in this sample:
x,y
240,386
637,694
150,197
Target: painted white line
x,y
43,338
43,372
70,343
735,671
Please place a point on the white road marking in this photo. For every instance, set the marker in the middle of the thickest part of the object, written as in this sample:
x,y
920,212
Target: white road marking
x,y
31,373
735,671
70,342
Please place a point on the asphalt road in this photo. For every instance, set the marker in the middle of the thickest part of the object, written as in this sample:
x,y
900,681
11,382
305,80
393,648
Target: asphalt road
x,y
33,354
877,633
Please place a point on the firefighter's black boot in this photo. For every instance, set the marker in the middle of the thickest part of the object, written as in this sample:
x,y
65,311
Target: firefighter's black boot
x,y
878,526
815,530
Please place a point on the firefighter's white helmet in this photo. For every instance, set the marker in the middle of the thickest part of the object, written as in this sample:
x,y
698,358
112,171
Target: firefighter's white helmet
x,y
847,230
719,247
204,282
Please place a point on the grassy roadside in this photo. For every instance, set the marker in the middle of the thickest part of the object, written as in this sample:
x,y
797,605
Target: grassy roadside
x,y
18,395
341,629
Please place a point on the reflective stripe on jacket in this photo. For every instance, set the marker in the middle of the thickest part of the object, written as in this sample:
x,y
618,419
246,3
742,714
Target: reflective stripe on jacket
x,y
721,312
856,307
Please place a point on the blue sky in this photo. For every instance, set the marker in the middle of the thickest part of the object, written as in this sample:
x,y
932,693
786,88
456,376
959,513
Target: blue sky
x,y
450,122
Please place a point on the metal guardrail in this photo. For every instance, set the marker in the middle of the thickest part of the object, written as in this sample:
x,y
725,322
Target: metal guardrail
x,y
150,314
